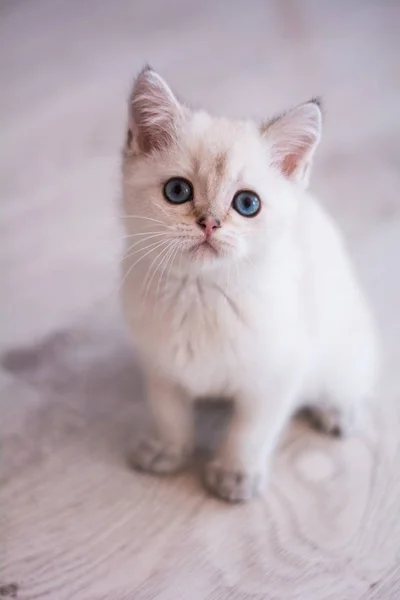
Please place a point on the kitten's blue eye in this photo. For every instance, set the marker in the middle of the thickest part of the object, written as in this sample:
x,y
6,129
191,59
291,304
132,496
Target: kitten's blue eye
x,y
246,204
178,190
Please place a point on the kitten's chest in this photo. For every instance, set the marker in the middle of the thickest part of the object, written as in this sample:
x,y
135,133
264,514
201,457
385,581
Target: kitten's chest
x,y
196,319
205,336
195,331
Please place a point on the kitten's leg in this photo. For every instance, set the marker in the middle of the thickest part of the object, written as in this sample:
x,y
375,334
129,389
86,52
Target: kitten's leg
x,y
349,381
239,471
167,449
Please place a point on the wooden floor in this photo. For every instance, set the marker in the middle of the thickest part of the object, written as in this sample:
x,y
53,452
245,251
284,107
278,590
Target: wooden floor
x,y
75,520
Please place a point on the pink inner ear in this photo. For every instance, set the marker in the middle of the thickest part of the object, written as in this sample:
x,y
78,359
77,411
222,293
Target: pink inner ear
x,y
289,164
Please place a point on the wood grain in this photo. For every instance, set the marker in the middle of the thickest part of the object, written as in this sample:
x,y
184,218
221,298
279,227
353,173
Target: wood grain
x,y
75,520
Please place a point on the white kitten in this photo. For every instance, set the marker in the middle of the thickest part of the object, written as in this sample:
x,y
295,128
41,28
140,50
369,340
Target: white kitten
x,y
236,284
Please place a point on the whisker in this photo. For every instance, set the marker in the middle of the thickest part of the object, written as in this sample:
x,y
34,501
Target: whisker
x,y
169,225
162,269
131,235
118,288
175,252
162,273
162,255
142,217
153,245
141,242
165,266
139,234
140,259
129,253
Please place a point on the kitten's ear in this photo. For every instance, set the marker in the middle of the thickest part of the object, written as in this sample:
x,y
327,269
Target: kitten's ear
x,y
153,113
294,138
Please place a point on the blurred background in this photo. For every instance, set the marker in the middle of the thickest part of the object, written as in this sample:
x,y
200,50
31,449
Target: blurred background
x,y
67,380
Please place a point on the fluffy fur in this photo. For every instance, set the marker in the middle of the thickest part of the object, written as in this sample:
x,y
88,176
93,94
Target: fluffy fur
x,y
267,312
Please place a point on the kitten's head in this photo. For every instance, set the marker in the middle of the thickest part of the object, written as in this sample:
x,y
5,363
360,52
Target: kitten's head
x,y
211,190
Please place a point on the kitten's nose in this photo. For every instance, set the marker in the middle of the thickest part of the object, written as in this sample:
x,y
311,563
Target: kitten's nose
x,y
208,224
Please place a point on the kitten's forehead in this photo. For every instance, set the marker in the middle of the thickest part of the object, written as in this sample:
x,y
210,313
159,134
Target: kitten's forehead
x,y
217,153
219,141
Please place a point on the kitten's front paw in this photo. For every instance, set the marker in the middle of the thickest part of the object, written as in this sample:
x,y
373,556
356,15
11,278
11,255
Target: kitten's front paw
x,y
154,456
233,484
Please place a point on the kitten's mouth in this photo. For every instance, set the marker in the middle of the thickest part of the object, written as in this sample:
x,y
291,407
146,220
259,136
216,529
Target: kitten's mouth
x,y
203,248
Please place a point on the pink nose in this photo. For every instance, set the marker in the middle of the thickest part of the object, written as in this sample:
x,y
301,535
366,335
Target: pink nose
x,y
208,224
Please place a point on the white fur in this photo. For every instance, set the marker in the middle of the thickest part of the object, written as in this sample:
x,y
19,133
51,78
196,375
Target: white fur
x,y
274,321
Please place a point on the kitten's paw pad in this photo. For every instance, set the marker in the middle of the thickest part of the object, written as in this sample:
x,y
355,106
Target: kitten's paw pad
x,y
233,485
154,456
332,420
